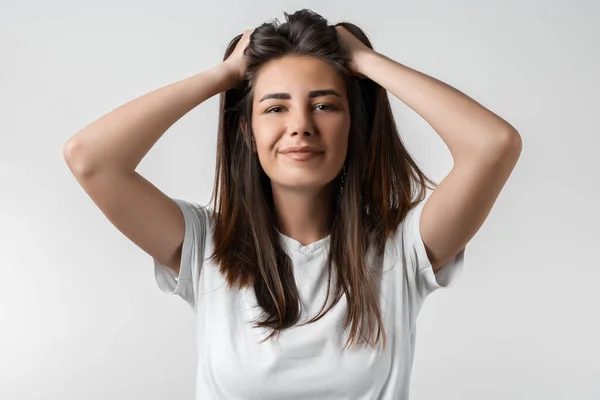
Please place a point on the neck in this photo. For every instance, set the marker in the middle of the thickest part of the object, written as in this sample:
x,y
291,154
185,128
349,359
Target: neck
x,y
303,215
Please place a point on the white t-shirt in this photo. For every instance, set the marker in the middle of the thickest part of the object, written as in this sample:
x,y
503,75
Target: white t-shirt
x,y
305,362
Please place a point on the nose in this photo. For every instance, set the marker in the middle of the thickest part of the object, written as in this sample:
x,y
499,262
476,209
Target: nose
x,y
301,122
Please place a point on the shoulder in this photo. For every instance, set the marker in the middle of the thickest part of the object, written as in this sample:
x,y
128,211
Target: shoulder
x,y
196,212
406,236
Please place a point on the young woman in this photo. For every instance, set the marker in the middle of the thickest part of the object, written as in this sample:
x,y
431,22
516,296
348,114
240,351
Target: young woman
x,y
308,272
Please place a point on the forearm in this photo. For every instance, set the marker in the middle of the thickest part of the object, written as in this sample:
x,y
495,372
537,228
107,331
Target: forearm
x,y
465,126
123,137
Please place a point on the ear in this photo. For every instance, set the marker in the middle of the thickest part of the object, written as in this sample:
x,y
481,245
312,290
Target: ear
x,y
246,131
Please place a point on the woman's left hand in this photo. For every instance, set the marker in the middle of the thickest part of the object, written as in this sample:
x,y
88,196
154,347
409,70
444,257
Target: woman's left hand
x,y
355,47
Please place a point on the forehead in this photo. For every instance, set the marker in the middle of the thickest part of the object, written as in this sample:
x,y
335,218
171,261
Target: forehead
x,y
297,75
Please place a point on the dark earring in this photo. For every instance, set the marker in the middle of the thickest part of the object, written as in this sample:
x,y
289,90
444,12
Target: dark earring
x,y
342,179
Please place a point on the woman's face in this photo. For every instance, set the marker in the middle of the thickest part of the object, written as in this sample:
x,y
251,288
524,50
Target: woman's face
x,y
300,101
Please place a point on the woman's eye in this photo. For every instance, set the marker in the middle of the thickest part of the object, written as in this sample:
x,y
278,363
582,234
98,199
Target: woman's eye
x,y
325,107
272,109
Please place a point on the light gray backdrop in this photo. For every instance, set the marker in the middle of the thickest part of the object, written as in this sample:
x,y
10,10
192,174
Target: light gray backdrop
x,y
80,314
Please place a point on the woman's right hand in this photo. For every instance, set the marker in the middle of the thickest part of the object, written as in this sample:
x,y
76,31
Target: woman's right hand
x,y
236,62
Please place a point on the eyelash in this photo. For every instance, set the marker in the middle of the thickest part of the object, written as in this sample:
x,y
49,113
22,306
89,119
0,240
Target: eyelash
x,y
328,107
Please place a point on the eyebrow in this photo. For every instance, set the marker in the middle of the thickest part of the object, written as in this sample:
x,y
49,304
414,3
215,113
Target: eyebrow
x,y
313,94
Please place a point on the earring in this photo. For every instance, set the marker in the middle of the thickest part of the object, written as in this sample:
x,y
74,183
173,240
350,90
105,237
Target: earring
x,y
342,179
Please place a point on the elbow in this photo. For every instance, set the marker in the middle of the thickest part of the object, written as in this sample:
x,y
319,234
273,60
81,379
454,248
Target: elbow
x,y
507,149
511,143
503,147
73,159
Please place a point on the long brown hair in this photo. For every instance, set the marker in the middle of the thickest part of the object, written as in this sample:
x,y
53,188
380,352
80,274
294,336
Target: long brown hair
x,y
373,193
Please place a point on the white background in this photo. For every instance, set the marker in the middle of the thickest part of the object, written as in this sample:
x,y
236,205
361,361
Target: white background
x,y
81,316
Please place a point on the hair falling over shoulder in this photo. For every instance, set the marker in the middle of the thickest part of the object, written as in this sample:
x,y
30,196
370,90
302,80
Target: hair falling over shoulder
x,y
380,181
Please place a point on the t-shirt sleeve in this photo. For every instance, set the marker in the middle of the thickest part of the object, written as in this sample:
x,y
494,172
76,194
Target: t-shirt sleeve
x,y
185,285
421,278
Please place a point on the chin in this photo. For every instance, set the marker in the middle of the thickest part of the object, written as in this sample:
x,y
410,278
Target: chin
x,y
303,182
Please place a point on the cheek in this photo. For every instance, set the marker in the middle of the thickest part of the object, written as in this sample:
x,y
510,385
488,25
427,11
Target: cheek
x,y
337,137
339,148
337,125
264,146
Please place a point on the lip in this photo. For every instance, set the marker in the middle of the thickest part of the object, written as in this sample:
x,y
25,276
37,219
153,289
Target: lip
x,y
301,155
301,149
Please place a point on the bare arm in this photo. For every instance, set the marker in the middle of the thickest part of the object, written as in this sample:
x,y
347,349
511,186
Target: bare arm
x,y
484,146
103,157
121,139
